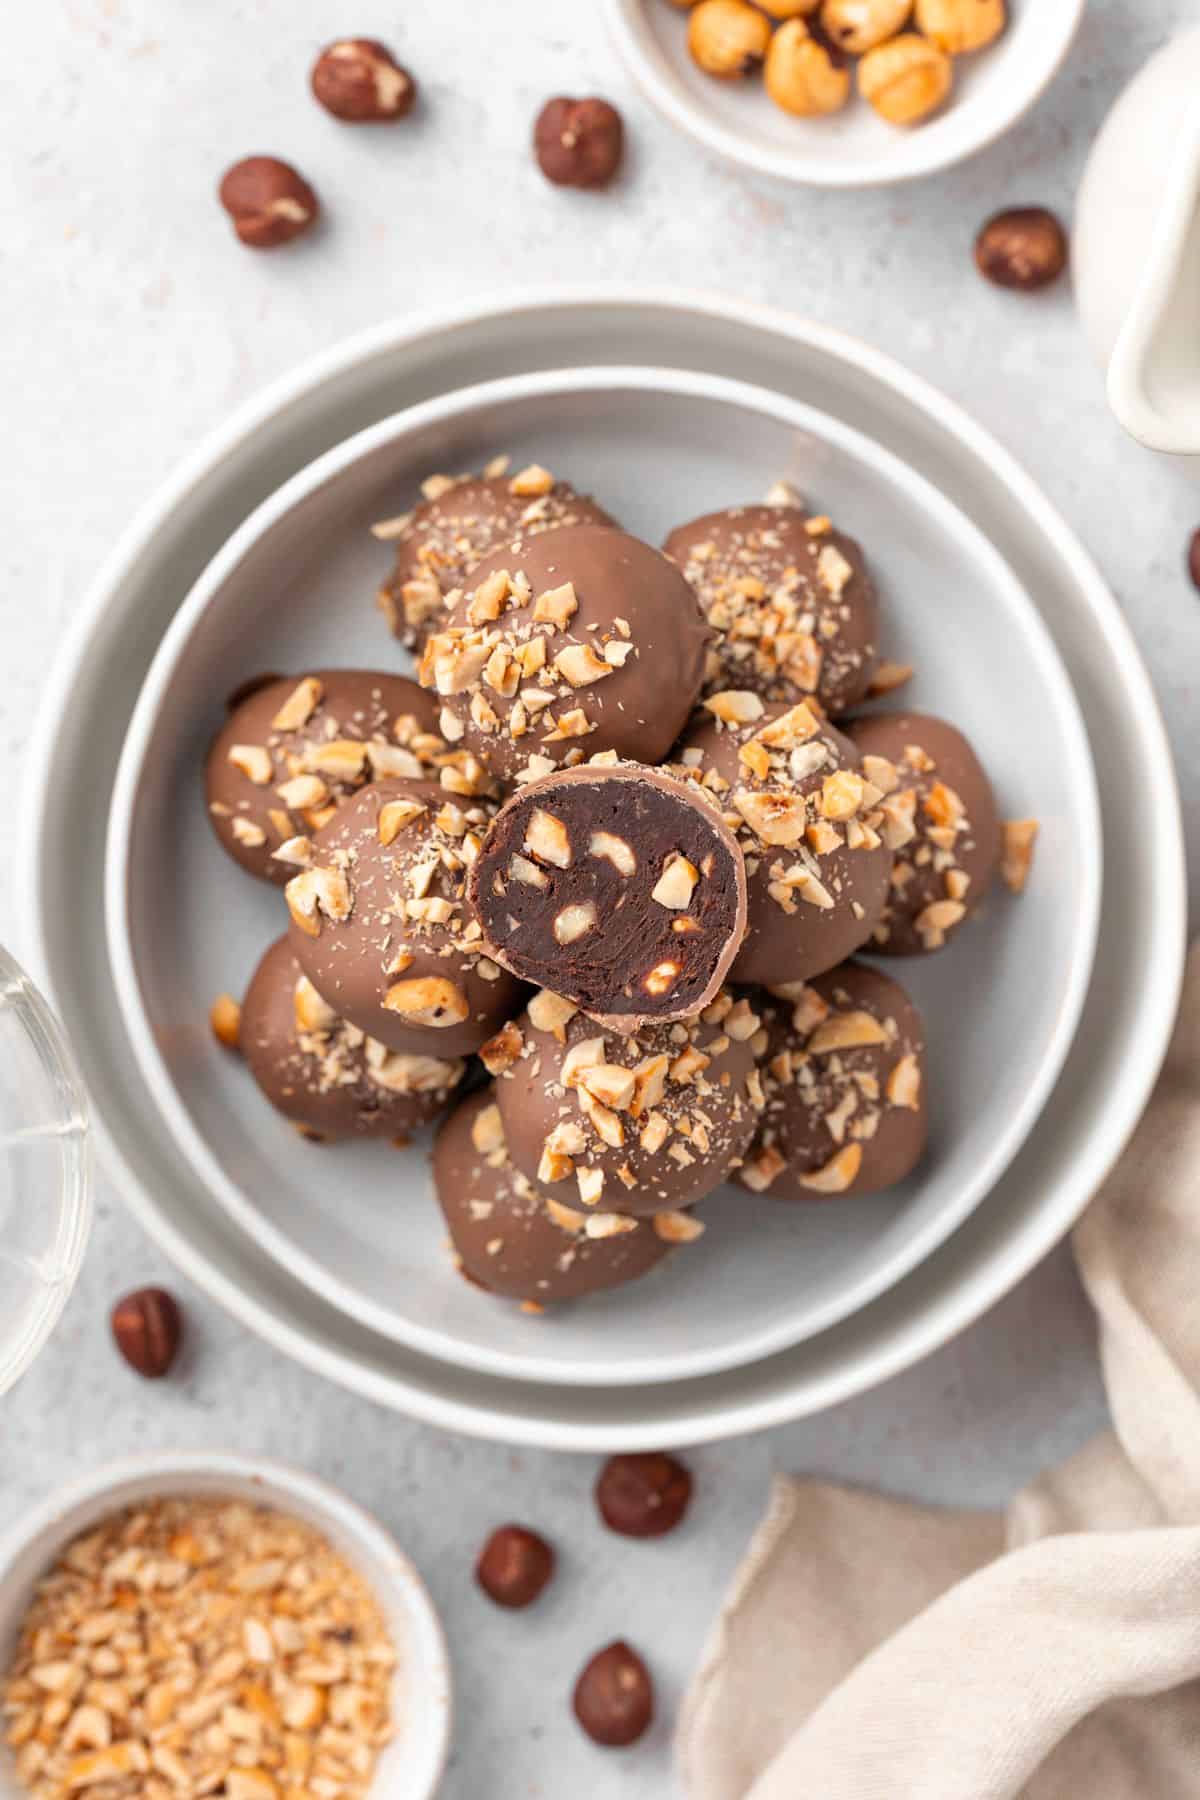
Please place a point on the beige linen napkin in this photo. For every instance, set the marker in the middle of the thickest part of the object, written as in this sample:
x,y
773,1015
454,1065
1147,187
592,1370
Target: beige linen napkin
x,y
871,1650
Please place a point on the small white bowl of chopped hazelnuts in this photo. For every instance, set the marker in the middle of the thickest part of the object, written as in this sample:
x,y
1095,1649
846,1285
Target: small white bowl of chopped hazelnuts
x,y
201,1622
844,93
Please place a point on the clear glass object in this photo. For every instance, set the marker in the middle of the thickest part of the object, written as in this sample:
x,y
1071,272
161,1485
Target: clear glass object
x,y
45,1171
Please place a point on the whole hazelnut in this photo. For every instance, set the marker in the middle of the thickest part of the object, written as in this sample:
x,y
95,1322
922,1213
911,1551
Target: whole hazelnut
x,y
514,1566
643,1496
578,143
1024,247
269,202
360,81
727,38
1193,558
905,79
614,1696
803,75
957,26
858,25
147,1327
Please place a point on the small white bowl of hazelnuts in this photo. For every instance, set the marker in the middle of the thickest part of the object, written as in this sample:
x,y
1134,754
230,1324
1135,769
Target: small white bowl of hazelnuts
x,y
844,93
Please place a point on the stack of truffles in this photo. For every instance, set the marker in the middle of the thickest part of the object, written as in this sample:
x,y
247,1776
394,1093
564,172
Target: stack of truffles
x,y
590,884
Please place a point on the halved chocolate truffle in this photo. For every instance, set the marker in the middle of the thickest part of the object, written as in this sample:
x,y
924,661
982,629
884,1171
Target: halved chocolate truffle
x,y
811,826
637,1125
581,640
944,829
844,1077
791,599
329,1077
297,745
380,928
517,1242
616,886
458,522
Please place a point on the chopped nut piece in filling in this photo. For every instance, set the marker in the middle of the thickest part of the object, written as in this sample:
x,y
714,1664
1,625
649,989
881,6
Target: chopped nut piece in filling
x,y
194,1646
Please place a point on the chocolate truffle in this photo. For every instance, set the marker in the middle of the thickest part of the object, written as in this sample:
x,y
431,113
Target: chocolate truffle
x,y
944,827
637,1125
329,1077
844,1077
580,640
812,829
458,522
791,599
517,1242
294,747
379,926
616,886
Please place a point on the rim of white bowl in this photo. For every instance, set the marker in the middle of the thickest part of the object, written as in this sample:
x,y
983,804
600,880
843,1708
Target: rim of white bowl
x,y
908,157
426,1674
929,1326
302,1264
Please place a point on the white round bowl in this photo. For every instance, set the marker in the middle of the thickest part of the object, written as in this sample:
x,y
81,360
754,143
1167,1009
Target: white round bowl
x,y
853,148
291,589
120,623
412,1764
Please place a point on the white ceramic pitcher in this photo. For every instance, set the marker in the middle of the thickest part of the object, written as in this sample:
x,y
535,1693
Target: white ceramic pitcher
x,y
1137,250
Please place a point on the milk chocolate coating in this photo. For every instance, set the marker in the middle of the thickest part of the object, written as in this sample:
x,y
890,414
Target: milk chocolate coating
x,y
391,718
791,598
447,536
618,887
845,1080
948,850
506,1237
662,1116
816,864
395,967
325,1075
598,643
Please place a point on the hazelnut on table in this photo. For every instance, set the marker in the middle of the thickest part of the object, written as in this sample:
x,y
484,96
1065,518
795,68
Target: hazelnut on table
x,y
728,38
359,81
578,143
1023,248
268,200
614,1696
905,79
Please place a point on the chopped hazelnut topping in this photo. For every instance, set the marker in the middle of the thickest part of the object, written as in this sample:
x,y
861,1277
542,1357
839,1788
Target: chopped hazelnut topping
x,y
428,1000
531,482
487,1132
225,1017
394,815
551,1013
502,1051
904,1083
1020,836
557,606
299,706
677,1227
318,891
607,1225
838,1173
253,761
846,1031
735,706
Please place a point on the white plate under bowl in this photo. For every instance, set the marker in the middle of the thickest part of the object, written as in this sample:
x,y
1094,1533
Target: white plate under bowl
x,y
293,590
88,704
993,87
